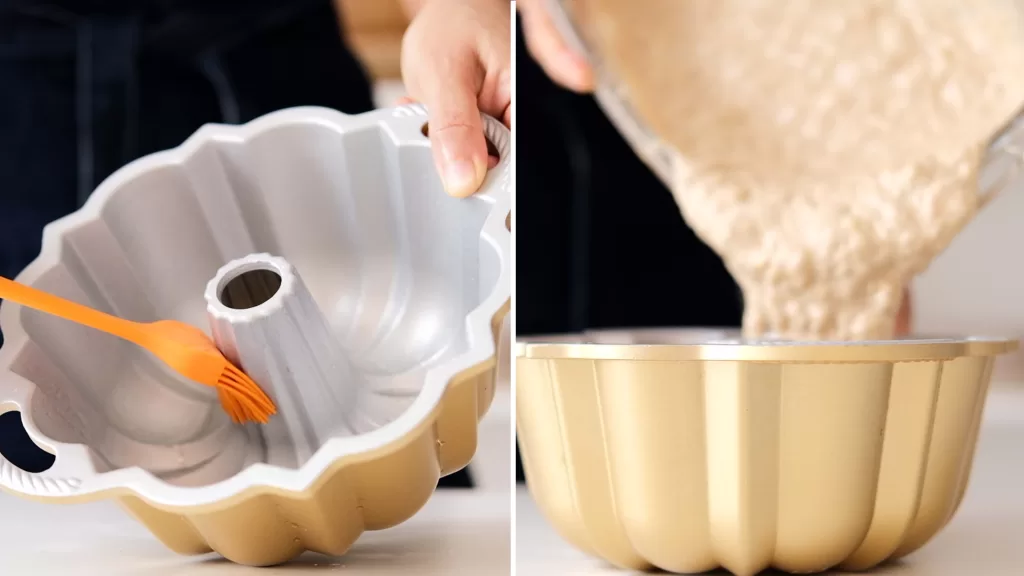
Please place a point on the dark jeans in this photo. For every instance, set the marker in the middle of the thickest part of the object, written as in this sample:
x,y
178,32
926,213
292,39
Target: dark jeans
x,y
86,86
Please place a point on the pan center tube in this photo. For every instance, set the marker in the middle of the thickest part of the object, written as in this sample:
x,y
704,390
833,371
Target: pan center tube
x,y
264,319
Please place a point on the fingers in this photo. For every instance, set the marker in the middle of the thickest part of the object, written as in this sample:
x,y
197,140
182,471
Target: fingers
x,y
459,72
492,161
560,63
455,128
495,54
498,103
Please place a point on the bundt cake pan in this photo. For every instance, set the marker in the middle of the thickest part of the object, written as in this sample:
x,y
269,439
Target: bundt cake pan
x,y
692,450
412,286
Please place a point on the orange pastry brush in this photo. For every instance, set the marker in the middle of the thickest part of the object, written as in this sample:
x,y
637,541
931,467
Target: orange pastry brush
x,y
181,346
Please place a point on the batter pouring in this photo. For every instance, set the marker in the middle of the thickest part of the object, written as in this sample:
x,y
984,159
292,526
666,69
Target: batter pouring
x,y
828,150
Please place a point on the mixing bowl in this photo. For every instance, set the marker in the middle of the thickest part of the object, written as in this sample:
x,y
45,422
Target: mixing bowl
x,y
1001,166
411,284
690,450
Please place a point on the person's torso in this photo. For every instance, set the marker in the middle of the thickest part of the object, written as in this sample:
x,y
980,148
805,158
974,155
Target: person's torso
x,y
183,27
113,7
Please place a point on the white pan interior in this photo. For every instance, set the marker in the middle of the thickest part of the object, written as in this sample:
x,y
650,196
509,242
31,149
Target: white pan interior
x,y
353,203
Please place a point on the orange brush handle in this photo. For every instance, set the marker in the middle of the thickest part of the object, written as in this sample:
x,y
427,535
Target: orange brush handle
x,y
68,310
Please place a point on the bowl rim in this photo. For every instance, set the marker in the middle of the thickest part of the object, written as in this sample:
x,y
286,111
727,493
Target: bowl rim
x,y
70,479
728,346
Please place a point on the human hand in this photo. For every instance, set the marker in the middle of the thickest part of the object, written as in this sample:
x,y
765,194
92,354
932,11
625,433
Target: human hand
x,y
456,59
549,49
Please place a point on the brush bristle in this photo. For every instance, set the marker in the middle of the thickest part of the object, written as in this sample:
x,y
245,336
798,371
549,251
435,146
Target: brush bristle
x,y
243,400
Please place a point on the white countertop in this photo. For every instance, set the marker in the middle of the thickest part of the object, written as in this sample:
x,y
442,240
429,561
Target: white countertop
x,y
986,538
458,532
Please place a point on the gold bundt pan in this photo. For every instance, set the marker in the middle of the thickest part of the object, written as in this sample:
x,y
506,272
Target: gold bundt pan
x,y
797,456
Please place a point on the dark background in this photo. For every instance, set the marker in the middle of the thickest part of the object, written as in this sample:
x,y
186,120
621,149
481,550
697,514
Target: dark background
x,y
600,242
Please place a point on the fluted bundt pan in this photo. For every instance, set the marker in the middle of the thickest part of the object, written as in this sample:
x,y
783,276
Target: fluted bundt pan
x,y
379,349
690,451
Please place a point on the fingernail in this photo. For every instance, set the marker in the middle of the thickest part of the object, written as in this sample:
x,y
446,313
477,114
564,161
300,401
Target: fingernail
x,y
460,178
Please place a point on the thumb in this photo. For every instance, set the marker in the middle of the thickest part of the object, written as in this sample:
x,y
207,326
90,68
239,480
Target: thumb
x,y
549,49
456,131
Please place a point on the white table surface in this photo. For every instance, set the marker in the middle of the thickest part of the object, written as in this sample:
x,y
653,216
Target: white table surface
x,y
985,538
458,532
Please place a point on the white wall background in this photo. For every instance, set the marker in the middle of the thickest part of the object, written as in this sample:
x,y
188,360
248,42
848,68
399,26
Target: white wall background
x,y
976,286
